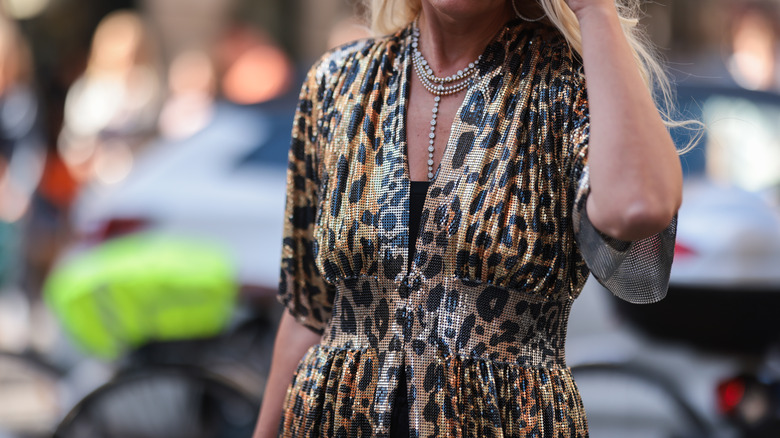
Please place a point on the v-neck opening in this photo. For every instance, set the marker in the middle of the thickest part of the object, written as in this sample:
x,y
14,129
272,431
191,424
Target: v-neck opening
x,y
406,82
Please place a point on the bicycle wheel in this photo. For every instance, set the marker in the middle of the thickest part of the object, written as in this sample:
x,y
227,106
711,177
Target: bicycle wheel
x,y
631,400
168,402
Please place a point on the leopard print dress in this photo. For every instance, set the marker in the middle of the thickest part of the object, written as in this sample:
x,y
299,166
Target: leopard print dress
x,y
478,320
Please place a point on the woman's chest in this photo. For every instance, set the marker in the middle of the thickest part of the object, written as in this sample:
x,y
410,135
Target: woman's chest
x,y
495,212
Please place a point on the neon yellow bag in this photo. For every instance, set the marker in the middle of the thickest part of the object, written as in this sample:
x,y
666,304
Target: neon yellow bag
x,y
142,288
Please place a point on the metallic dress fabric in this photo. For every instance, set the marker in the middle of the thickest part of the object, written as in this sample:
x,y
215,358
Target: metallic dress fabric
x,y
477,320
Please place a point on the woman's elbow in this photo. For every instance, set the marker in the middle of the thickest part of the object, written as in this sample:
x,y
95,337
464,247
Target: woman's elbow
x,y
636,220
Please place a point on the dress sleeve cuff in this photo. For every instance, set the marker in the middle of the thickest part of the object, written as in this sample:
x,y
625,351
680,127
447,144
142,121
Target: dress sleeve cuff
x,y
637,272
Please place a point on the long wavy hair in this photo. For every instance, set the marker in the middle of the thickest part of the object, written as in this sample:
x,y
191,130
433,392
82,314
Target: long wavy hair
x,y
388,16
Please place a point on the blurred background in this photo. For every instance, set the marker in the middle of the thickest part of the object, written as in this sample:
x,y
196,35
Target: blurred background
x,y
143,147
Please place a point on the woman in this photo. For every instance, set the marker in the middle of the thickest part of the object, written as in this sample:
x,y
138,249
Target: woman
x,y
457,328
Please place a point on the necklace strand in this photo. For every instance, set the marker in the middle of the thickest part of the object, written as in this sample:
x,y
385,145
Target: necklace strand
x,y
438,87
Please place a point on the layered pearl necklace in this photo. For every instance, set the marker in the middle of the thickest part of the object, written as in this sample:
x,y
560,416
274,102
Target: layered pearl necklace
x,y
438,87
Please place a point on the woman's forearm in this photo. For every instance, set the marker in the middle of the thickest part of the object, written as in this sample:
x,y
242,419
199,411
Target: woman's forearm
x,y
292,341
635,174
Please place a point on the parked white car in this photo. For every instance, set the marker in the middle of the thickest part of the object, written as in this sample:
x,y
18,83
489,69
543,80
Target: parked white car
x,y
224,184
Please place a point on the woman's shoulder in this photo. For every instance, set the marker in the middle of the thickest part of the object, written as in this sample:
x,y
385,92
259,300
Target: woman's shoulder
x,y
343,58
336,58
548,46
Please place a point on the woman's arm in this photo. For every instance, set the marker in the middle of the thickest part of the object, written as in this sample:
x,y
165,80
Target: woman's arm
x,y
292,341
635,174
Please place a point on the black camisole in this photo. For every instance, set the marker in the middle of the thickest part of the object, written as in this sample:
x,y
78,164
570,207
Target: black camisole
x,y
417,192
399,426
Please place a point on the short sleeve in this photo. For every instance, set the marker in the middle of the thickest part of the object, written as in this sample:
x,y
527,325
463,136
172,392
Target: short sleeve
x,y
301,287
637,272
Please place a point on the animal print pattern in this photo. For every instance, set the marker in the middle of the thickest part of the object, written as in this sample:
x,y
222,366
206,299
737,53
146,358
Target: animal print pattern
x,y
479,320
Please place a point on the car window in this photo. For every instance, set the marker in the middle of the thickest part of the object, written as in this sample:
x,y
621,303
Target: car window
x,y
743,143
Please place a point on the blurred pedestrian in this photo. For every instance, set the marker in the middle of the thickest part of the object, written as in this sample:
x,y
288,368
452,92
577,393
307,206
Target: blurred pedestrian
x,y
22,147
754,41
111,110
189,104
450,186
21,141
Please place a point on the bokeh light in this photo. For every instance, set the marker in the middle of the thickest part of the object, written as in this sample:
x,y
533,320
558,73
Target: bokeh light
x,y
24,9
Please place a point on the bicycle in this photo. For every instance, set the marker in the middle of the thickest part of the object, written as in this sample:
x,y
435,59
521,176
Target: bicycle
x,y
162,308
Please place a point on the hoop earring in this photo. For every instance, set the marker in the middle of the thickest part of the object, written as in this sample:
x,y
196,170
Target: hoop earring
x,y
519,15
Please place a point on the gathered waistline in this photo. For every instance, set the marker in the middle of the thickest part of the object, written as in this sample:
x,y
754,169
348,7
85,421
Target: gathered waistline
x,y
439,356
470,321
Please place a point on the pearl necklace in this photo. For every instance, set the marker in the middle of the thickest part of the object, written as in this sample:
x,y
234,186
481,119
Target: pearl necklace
x,y
438,87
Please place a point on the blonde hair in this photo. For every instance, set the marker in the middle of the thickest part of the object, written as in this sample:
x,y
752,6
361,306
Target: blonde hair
x,y
388,16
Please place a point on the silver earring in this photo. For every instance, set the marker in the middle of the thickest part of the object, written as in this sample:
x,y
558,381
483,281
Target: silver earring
x,y
519,15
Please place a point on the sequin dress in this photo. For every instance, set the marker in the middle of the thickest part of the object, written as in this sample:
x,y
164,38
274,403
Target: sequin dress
x,y
477,319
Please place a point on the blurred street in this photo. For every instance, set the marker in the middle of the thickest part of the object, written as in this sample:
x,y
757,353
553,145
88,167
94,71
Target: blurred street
x,y
143,155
